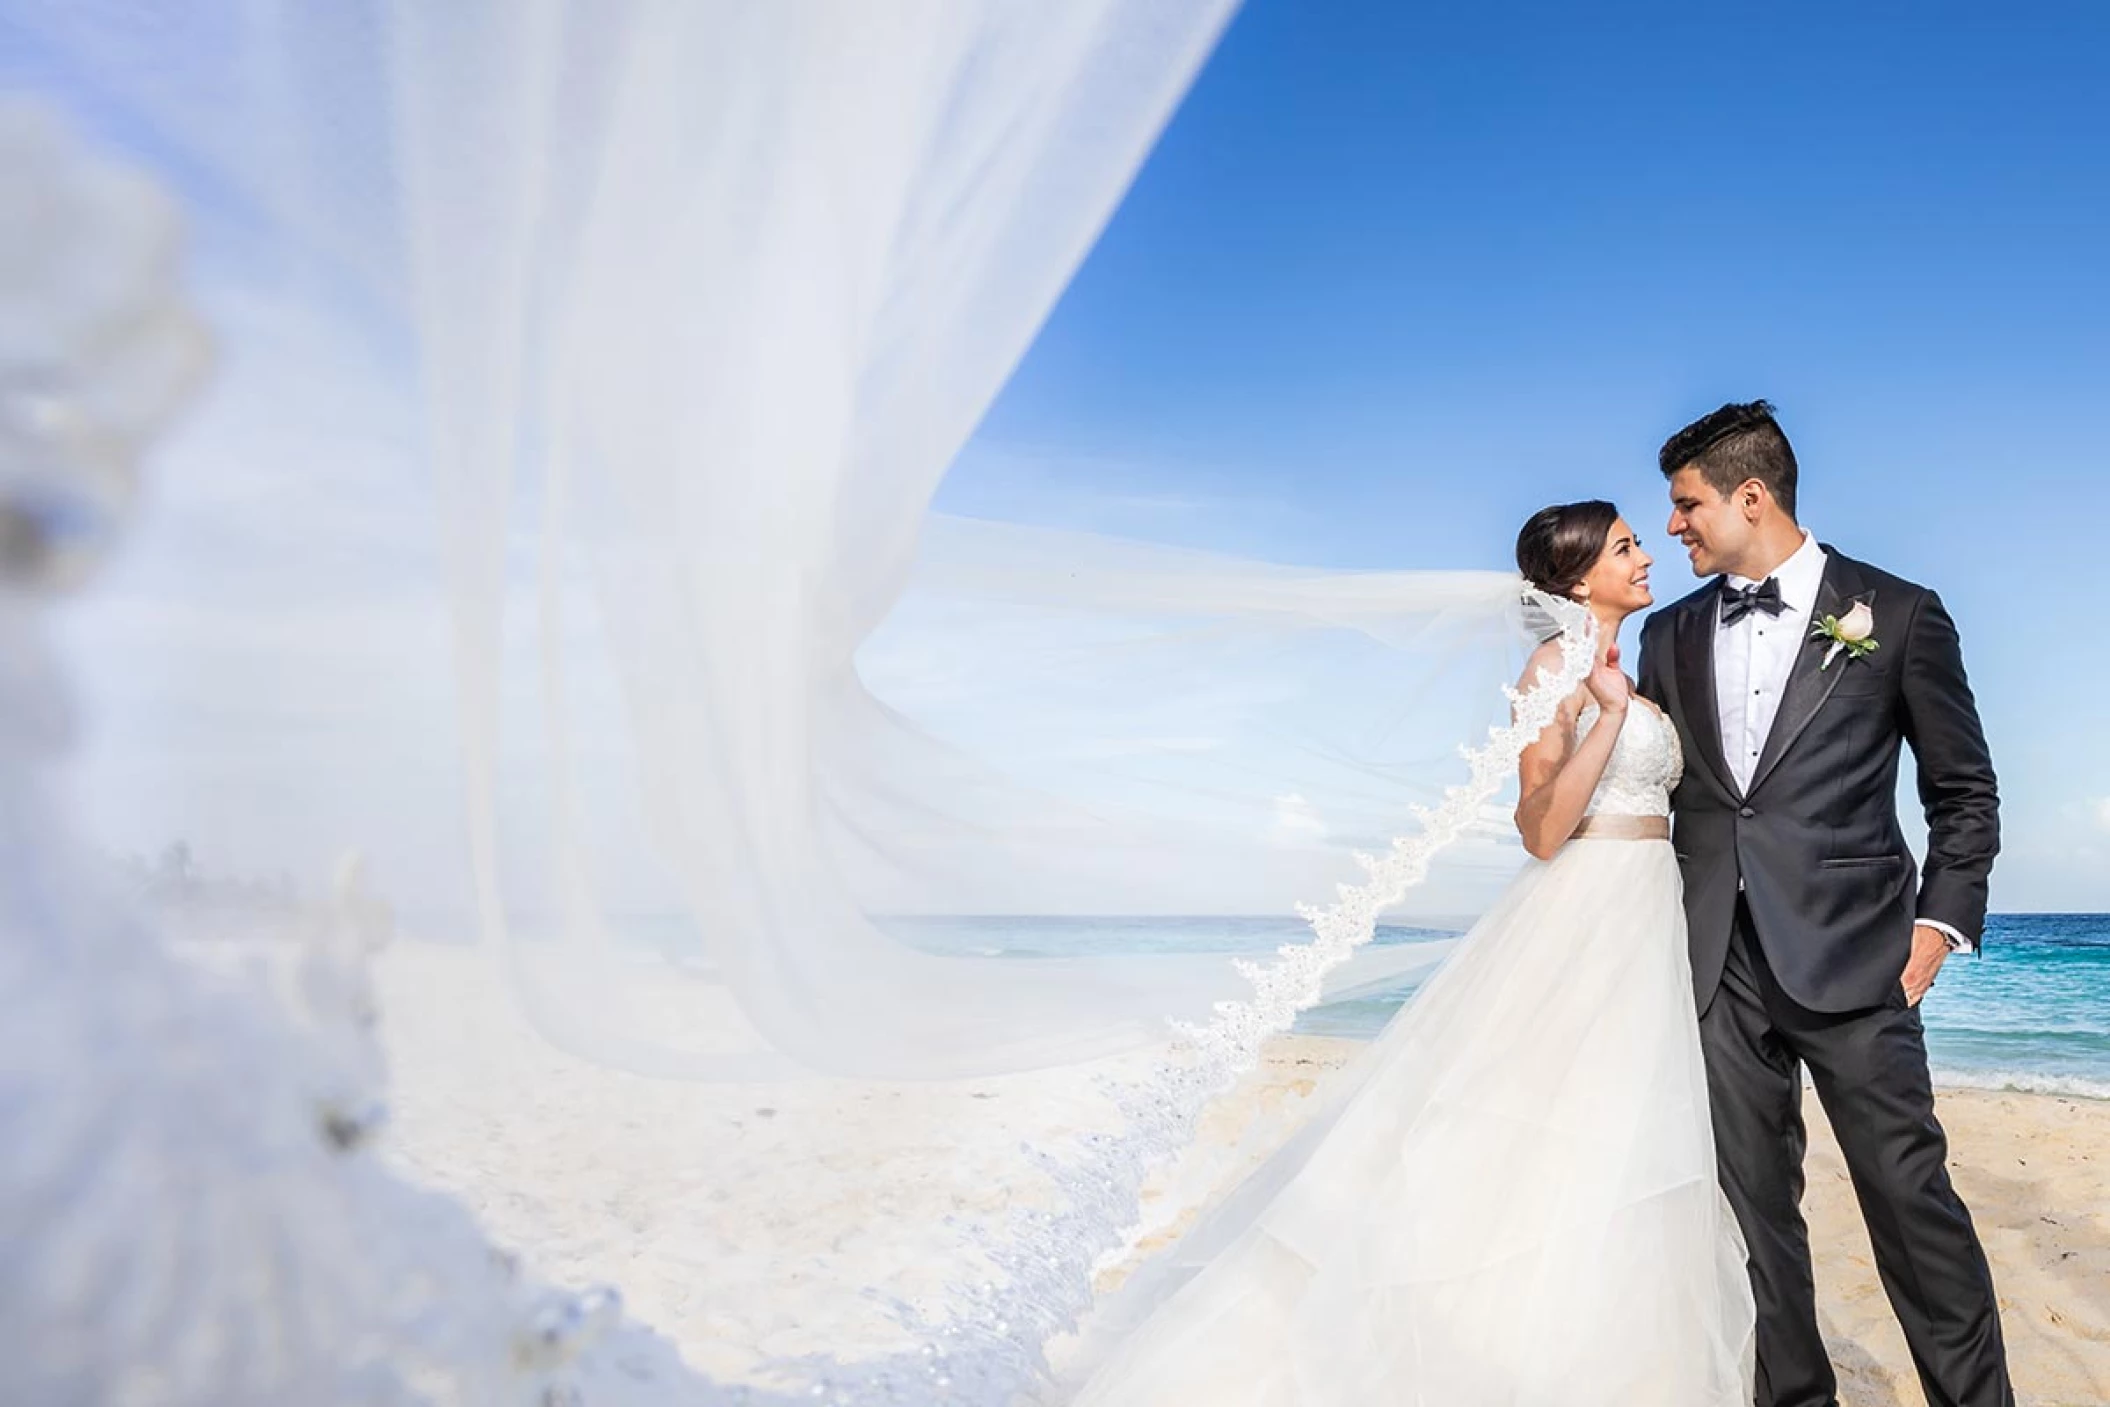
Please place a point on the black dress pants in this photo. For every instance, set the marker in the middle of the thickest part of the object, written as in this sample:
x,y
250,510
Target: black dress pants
x,y
1870,1071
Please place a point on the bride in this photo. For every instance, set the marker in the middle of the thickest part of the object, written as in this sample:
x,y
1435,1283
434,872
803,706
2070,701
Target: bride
x,y
1510,1198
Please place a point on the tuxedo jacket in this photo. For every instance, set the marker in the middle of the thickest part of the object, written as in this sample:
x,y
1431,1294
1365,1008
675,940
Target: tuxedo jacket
x,y
1814,843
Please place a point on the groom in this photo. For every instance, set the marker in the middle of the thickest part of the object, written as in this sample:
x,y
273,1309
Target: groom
x,y
1793,678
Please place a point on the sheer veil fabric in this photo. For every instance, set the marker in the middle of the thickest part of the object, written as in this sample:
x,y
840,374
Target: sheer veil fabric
x,y
692,305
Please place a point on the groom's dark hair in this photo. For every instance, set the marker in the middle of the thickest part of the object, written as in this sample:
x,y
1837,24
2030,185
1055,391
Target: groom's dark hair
x,y
1732,446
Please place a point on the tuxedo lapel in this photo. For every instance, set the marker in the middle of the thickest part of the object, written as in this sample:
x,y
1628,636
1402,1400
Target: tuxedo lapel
x,y
1809,682
1693,658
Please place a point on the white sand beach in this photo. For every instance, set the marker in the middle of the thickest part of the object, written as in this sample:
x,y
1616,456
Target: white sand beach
x,y
667,1189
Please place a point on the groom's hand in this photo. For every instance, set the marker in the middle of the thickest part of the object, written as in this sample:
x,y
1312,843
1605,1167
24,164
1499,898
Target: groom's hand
x,y
1930,948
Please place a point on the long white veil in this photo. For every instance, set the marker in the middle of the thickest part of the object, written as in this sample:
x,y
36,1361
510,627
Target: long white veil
x,y
683,310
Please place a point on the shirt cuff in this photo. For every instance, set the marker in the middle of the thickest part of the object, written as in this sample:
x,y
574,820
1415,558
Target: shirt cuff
x,y
1957,942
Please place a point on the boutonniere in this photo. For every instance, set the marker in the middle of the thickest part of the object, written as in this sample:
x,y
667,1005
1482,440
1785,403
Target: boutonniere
x,y
1854,633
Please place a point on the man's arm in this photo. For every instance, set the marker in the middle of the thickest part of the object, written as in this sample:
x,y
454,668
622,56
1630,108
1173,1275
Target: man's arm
x,y
1956,783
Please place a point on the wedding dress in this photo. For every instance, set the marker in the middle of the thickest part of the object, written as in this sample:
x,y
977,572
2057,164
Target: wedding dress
x,y
1509,1199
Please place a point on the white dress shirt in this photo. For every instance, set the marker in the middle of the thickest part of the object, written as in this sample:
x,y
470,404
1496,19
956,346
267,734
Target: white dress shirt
x,y
1753,660
1754,657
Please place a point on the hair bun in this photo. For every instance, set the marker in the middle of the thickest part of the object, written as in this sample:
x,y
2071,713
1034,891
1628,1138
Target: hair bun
x,y
1558,545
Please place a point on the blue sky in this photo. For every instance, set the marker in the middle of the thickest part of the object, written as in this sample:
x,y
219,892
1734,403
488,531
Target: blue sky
x,y
1396,276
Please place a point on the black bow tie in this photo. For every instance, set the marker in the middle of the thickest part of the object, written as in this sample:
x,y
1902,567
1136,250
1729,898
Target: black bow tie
x,y
1763,597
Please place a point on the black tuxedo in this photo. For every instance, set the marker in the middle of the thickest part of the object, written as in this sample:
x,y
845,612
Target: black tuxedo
x,y
1800,897
1815,839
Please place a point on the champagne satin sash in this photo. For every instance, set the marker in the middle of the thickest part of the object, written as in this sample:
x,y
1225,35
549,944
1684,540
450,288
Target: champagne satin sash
x,y
1623,828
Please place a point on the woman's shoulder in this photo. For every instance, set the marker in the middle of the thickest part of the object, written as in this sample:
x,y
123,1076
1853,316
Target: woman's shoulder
x,y
1544,663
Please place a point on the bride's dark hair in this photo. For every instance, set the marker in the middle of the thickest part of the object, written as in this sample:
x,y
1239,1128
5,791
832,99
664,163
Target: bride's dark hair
x,y
1557,548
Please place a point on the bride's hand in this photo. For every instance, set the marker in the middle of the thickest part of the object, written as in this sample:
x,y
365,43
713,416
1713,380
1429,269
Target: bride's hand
x,y
1608,684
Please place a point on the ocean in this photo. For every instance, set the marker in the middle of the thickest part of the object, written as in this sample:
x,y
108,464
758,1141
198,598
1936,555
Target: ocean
x,y
2031,1013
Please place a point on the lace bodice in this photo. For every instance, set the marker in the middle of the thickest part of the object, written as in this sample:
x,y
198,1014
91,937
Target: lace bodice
x,y
1646,763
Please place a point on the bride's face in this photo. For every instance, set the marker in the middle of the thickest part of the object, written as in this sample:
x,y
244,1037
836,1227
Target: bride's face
x,y
1618,579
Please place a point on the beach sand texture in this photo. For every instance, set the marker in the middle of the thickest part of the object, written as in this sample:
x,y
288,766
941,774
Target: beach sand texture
x,y
667,1189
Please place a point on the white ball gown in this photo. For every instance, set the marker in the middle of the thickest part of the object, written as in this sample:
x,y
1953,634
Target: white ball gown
x,y
1510,1198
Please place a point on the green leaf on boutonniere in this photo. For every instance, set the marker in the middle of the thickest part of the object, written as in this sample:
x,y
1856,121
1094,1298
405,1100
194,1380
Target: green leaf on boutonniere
x,y
1854,635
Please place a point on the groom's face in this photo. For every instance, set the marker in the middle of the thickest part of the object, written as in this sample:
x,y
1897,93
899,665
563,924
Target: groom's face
x,y
1714,528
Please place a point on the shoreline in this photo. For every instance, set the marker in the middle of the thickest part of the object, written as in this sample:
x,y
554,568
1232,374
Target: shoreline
x,y
1946,1078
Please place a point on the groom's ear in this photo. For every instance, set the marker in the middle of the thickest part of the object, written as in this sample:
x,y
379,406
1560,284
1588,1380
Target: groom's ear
x,y
1753,498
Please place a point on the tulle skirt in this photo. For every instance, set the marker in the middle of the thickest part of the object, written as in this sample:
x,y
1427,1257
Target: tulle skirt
x,y
1510,1198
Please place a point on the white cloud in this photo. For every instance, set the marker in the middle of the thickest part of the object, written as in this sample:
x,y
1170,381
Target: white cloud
x,y
1297,821
2102,812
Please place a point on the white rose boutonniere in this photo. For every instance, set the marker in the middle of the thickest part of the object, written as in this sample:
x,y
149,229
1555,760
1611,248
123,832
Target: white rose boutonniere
x,y
1854,633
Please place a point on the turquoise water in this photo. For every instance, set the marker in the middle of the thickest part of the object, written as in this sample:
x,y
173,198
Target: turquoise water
x,y
2032,1013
